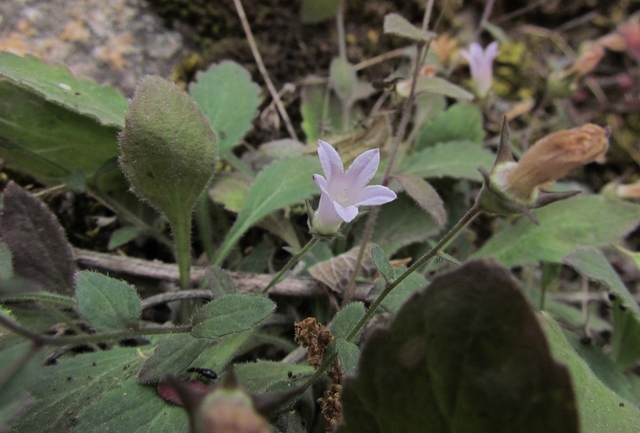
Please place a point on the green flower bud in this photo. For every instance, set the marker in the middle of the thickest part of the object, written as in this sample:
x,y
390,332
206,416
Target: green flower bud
x,y
168,148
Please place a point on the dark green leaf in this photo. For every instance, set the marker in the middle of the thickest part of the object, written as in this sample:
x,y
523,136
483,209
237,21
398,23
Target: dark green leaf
x,y
230,100
281,184
315,11
564,226
461,122
37,242
229,314
467,354
348,353
218,281
132,408
600,409
457,159
345,320
55,84
6,266
108,304
24,362
399,295
257,377
398,25
381,261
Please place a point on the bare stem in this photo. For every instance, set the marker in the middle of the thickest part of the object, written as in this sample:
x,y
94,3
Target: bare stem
x,y
263,70
290,264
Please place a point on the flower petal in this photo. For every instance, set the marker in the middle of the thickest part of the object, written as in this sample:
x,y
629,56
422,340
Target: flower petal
x,y
326,220
322,183
346,213
330,160
375,195
491,51
362,170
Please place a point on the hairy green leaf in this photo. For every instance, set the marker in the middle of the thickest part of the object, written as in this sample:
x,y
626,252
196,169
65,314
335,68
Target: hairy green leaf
x,y
461,122
229,314
108,304
258,377
381,261
398,25
564,226
122,236
343,78
229,98
425,196
346,319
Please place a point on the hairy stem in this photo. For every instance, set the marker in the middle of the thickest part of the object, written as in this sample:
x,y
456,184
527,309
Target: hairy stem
x,y
290,264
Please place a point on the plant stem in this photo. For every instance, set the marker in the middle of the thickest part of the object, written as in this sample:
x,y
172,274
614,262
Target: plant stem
x,y
182,238
87,339
472,213
290,264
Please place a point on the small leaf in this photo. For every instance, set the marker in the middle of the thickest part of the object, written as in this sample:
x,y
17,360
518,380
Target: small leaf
x,y
336,272
398,25
229,314
399,295
600,409
281,184
457,159
346,320
343,78
461,122
315,11
230,190
466,354
123,236
108,304
76,181
37,242
218,281
316,123
381,261
426,197
440,86
564,226
168,148
348,353
229,98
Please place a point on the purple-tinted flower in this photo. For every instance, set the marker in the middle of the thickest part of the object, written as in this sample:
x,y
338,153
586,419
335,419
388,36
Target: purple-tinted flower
x,y
481,64
342,192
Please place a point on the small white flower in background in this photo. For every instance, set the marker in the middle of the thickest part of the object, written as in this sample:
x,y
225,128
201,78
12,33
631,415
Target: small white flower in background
x,y
342,192
481,64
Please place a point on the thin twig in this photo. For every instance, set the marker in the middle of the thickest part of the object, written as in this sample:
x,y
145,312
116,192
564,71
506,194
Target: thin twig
x,y
263,70
485,18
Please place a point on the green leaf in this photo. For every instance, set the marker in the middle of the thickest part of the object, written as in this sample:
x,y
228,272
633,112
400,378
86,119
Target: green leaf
x,y
39,247
381,261
399,295
229,314
24,371
401,223
176,353
258,377
348,353
11,412
343,78
73,384
457,159
218,281
315,11
345,320
132,408
281,184
108,304
55,84
425,196
461,122
316,122
600,409
467,355
229,98
398,25
440,86
122,236
168,148
564,226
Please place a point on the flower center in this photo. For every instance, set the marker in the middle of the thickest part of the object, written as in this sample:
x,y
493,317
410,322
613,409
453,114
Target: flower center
x,y
342,197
